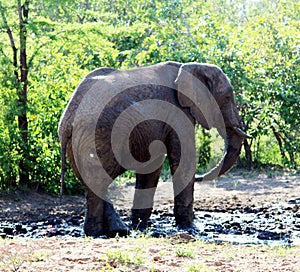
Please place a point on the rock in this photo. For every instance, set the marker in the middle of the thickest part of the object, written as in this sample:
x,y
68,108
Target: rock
x,y
20,229
76,233
250,231
296,208
74,220
8,230
179,238
226,225
296,227
269,235
236,225
248,209
294,201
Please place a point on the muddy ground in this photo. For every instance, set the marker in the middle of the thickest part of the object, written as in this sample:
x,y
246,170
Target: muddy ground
x,y
245,210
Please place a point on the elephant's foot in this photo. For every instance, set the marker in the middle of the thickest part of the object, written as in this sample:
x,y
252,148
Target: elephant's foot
x,y
113,223
93,226
140,218
185,223
184,216
191,229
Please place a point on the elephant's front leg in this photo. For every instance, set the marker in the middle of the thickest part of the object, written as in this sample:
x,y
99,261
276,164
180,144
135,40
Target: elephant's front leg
x,y
183,189
143,198
183,203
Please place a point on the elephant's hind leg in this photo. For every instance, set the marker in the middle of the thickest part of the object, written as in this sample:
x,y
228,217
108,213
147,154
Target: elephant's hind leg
x,y
94,216
143,198
102,219
94,212
113,224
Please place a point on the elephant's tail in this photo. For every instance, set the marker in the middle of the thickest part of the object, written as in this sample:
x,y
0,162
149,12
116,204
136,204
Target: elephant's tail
x,y
63,150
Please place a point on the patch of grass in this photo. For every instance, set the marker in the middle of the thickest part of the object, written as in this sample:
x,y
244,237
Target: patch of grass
x,y
38,257
162,253
184,252
88,239
230,254
199,268
152,269
282,252
106,268
120,258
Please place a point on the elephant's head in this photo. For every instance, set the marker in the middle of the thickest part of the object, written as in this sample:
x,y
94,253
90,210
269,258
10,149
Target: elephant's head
x,y
208,94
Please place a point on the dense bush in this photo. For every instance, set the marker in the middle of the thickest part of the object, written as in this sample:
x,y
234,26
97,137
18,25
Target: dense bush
x,y
255,42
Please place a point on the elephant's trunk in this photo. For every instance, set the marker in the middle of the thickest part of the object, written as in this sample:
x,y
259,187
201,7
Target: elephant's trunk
x,y
234,140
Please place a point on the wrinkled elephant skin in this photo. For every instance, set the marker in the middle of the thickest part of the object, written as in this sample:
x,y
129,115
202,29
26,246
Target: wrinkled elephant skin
x,y
119,120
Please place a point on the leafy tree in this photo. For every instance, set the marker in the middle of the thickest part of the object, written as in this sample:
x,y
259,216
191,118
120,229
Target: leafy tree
x,y
19,77
46,47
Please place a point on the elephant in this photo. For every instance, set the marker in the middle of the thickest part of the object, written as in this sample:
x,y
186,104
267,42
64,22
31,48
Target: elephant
x,y
118,120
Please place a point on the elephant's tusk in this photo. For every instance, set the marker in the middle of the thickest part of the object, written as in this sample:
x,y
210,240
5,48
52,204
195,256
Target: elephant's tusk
x,y
198,177
242,133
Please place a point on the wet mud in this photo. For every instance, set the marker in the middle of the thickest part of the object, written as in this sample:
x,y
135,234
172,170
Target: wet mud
x,y
276,224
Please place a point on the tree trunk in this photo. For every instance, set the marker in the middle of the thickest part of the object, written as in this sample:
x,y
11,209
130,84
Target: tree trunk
x,y
248,155
23,11
280,144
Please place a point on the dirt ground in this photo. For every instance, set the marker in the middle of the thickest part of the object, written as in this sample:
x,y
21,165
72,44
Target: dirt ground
x,y
177,253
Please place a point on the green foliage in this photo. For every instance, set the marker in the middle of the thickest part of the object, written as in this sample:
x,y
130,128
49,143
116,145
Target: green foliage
x,y
203,148
125,259
255,42
184,252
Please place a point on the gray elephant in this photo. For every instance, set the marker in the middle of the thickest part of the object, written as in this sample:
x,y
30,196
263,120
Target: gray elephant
x,y
120,120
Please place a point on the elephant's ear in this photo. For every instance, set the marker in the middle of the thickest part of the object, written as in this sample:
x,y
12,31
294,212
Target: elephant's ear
x,y
194,83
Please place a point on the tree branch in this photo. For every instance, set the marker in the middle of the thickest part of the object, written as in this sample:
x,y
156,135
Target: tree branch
x,y
12,41
23,20
189,32
52,37
279,141
5,56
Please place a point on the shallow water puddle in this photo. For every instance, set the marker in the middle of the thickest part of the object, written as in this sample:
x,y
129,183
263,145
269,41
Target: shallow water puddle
x,y
277,225
249,228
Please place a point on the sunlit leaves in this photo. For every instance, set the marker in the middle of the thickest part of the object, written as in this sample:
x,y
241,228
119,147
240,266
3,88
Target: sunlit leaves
x,y
255,42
